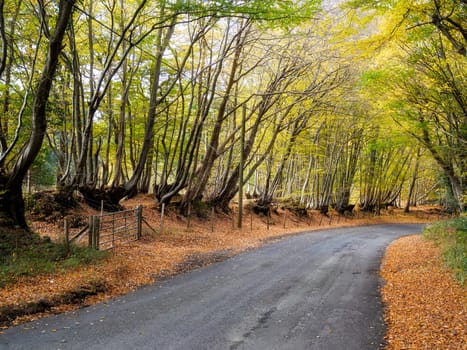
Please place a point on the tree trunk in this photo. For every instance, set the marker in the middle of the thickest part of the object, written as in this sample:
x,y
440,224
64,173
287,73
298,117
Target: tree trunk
x,y
11,205
8,57
454,181
412,183
11,198
106,172
203,173
120,130
163,41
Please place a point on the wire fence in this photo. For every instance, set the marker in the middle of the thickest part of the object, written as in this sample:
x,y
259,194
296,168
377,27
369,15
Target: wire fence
x,y
106,231
109,230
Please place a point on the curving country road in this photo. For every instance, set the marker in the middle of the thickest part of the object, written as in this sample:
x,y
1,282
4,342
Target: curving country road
x,y
317,290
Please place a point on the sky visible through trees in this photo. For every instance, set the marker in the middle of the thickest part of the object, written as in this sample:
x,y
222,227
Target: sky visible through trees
x,y
326,105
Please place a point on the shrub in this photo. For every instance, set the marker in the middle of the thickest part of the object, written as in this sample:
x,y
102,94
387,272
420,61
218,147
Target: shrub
x,y
451,235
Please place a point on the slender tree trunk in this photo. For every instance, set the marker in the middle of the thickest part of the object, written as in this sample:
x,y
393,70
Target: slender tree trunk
x,y
241,166
203,173
106,172
6,67
11,196
120,137
148,140
454,181
412,183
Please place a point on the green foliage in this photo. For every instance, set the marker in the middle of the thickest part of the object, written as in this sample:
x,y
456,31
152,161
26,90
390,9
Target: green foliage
x,y
26,254
369,4
372,77
451,235
43,170
287,11
416,81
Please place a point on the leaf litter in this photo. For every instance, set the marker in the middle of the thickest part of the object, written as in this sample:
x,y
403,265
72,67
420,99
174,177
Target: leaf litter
x,y
425,307
177,249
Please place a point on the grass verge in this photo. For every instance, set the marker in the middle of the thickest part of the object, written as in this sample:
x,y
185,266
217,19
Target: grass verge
x,y
27,254
451,235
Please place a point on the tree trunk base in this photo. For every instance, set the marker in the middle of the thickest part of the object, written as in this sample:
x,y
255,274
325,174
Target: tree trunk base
x,y
295,207
345,209
197,207
11,206
262,207
105,199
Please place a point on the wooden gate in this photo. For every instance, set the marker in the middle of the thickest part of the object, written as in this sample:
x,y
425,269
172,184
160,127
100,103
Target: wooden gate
x,y
108,230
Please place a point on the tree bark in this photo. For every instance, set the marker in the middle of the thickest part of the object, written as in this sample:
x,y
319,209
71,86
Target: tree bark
x,y
11,199
412,183
454,181
148,141
203,173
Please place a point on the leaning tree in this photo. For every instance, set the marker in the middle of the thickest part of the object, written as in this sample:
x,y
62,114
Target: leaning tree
x,y
18,154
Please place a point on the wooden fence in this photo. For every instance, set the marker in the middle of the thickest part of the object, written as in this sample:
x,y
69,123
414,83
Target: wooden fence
x,y
108,230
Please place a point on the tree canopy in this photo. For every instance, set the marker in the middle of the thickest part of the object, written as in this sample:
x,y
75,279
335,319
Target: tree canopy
x,y
199,99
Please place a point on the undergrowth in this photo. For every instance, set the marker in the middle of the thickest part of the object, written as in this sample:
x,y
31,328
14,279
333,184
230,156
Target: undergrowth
x,y
451,235
27,254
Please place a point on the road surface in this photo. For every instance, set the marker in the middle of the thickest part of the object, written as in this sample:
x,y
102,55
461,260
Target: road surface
x,y
317,290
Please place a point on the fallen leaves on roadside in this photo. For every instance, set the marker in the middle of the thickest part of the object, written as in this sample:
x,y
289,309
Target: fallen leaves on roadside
x,y
425,307
179,248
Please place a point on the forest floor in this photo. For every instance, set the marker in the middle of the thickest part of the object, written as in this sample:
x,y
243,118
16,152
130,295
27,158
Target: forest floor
x,y
183,246
426,308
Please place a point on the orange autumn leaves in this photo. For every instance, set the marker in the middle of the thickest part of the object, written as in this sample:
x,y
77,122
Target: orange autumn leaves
x,y
425,307
158,256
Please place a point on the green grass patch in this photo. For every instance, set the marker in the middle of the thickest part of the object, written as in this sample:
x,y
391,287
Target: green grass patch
x,y
27,254
451,235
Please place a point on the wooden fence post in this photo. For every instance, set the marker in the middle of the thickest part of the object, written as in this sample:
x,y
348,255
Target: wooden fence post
x,y
139,218
162,218
124,217
268,215
113,231
251,220
90,233
95,232
188,216
66,225
212,219
98,222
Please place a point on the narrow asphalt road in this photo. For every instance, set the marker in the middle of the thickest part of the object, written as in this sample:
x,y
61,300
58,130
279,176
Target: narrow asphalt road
x,y
317,290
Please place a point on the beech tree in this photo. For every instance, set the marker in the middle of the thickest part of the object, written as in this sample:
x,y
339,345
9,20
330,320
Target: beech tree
x,y
436,114
16,159
118,54
423,56
200,99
